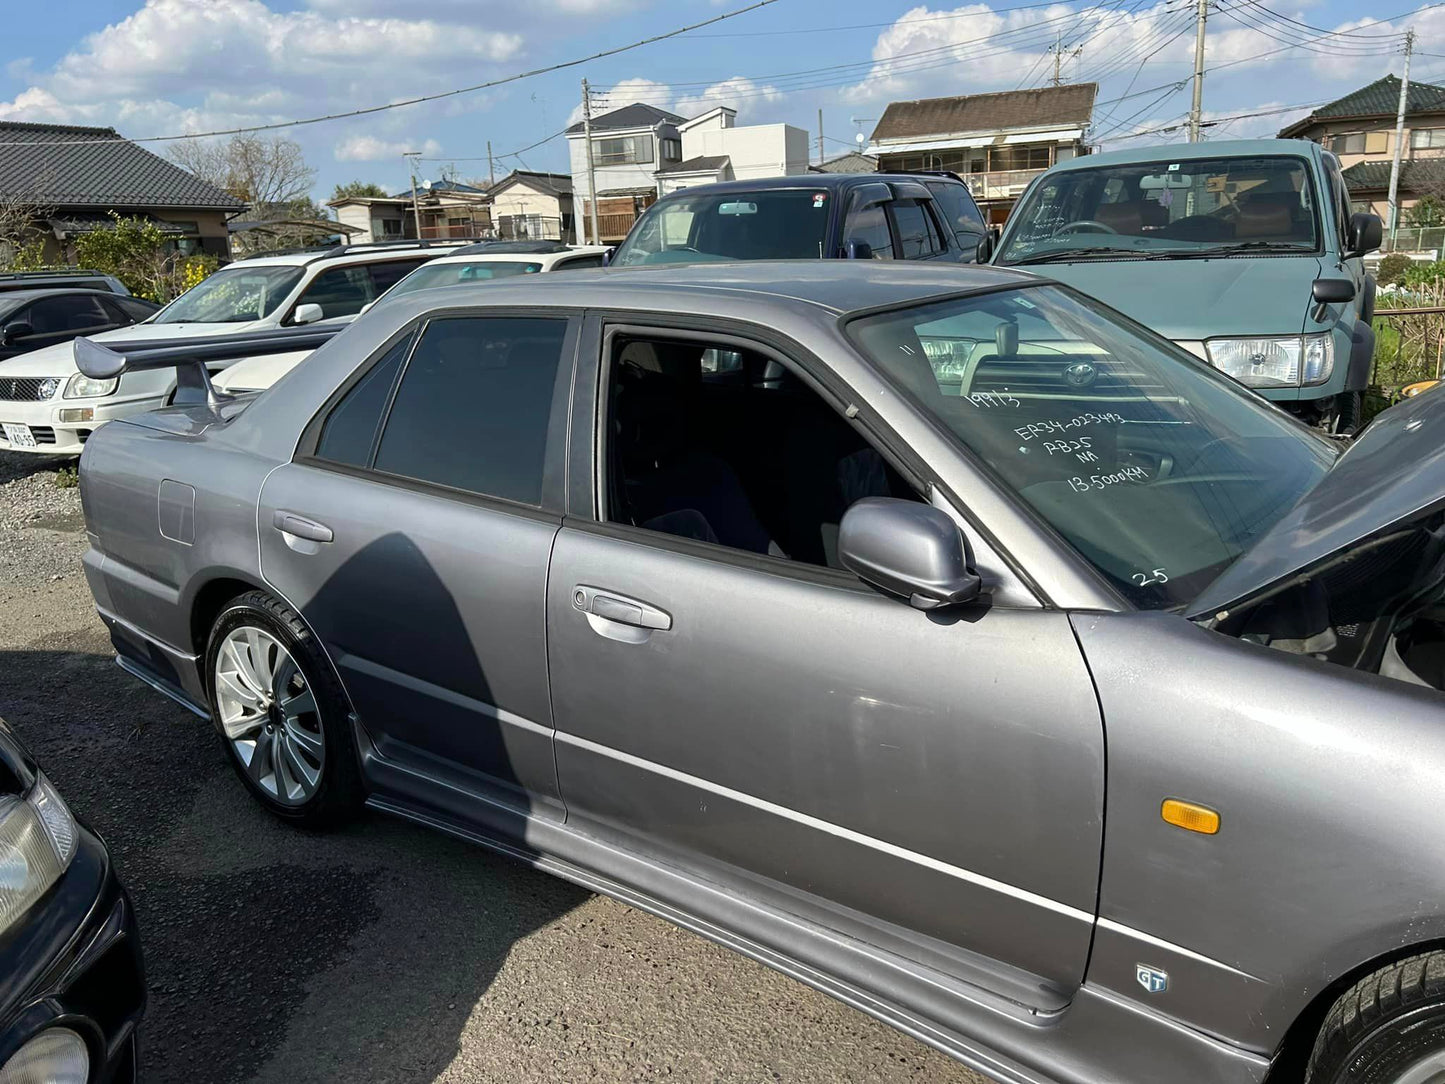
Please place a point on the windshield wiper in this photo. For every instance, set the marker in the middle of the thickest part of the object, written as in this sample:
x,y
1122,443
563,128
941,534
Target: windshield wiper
x,y
1236,249
1071,254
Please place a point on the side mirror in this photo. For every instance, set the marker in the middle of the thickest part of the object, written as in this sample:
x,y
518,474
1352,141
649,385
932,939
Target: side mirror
x,y
308,313
1364,233
607,256
1333,291
858,250
985,249
908,549
17,329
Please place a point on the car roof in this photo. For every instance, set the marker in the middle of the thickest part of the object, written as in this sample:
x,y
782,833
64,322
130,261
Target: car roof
x,y
1183,152
339,255
813,182
838,286
523,257
52,291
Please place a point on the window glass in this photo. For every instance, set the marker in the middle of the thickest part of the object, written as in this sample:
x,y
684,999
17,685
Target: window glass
x,y
870,226
769,224
1158,470
234,295
350,428
342,291
578,263
959,210
917,235
622,150
1186,207
72,312
386,275
1427,137
473,405
452,274
134,308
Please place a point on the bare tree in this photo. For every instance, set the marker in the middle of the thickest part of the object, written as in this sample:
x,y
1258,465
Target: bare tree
x,y
22,226
269,173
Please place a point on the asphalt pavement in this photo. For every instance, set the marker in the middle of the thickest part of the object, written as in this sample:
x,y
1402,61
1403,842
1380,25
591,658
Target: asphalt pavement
x,y
381,952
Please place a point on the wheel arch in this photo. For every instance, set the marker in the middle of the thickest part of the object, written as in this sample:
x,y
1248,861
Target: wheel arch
x,y
1292,1055
210,599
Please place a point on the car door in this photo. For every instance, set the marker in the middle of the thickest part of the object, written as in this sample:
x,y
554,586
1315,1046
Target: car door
x,y
866,226
412,531
920,236
775,726
959,212
60,318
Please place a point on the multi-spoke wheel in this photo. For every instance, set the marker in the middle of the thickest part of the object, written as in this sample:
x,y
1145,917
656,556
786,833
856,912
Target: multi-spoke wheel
x,y
281,711
1389,1028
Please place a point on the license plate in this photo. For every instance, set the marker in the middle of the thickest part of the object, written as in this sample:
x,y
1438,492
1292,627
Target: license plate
x,y
19,435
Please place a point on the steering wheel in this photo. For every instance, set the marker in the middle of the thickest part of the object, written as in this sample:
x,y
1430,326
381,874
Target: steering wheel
x,y
1086,225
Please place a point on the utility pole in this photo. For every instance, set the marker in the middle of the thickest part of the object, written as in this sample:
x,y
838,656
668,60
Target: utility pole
x,y
820,137
411,157
1394,205
1195,108
591,168
491,170
1058,51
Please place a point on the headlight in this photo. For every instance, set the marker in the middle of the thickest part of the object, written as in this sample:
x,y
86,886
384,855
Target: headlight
x,y
1276,361
55,1056
37,842
81,386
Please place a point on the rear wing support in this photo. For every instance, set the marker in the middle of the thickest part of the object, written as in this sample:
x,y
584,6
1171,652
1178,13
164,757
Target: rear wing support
x,y
192,358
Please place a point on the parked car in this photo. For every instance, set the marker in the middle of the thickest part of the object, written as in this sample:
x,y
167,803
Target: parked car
x,y
32,319
72,987
47,407
1244,253
895,216
74,278
805,604
485,262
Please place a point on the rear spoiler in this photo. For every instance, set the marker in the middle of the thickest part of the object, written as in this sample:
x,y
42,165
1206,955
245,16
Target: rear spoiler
x,y
190,357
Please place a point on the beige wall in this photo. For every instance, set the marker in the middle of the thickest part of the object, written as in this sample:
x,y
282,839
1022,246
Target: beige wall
x,y
1380,137
522,199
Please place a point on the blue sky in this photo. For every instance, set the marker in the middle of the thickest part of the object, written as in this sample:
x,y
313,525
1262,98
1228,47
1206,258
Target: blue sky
x,y
158,67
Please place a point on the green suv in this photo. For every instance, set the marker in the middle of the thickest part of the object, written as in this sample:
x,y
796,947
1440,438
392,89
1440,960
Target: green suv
x,y
1244,253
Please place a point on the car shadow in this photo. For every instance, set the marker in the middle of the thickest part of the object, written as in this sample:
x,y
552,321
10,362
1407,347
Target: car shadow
x,y
275,953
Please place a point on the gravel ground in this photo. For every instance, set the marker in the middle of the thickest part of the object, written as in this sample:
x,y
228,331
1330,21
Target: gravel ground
x,y
382,952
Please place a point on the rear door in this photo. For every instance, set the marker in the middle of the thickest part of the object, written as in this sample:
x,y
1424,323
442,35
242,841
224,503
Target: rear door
x,y
961,215
413,532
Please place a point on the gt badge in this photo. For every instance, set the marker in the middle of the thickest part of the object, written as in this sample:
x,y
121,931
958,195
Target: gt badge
x,y
1152,979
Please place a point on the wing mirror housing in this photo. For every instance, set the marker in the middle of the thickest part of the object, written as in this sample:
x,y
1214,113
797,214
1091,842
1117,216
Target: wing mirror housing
x,y
17,329
984,252
910,550
607,256
858,250
308,313
1333,291
1364,233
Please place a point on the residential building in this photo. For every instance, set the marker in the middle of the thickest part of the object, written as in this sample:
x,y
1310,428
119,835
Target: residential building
x,y
715,149
996,142
852,162
528,206
1360,129
445,208
71,178
629,145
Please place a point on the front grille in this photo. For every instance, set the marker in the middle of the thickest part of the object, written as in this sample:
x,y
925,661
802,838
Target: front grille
x,y
43,434
27,389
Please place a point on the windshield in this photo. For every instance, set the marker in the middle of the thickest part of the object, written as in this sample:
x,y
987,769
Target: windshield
x,y
1158,470
1170,209
233,295
450,274
772,224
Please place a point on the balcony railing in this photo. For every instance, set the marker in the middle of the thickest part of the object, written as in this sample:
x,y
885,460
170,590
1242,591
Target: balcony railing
x,y
1000,184
471,230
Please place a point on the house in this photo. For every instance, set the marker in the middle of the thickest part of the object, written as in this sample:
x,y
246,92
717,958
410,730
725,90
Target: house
x,y
533,206
997,142
68,179
437,209
1360,129
715,149
852,162
629,145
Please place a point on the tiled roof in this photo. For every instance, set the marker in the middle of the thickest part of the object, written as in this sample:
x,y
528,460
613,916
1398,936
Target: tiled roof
x,y
423,187
1421,174
69,166
852,162
1070,106
703,163
636,115
553,184
1380,99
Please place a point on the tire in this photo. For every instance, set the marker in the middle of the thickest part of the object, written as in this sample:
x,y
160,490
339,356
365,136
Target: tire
x,y
282,714
1389,1028
1349,412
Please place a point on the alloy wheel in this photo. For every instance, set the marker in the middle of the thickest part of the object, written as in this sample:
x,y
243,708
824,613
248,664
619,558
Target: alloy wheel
x,y
1428,1070
269,715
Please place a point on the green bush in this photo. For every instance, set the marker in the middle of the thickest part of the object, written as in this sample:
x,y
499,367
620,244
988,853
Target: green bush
x,y
1392,269
1425,274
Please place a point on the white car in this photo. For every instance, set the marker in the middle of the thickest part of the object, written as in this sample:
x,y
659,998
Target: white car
x,y
475,263
49,407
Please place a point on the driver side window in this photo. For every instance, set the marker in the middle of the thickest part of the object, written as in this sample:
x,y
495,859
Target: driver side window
x,y
870,227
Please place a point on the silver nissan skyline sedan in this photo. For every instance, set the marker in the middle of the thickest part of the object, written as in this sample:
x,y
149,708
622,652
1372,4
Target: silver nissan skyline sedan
x,y
934,635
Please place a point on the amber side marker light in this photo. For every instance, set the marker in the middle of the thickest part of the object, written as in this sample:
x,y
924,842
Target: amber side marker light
x,y
1190,817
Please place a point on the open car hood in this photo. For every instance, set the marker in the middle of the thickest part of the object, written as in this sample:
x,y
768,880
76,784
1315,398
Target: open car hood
x,y
1393,473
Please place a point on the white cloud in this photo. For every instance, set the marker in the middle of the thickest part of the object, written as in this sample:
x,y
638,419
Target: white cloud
x,y
365,148
738,91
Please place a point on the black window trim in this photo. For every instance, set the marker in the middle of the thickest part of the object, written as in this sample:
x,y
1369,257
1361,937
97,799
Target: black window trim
x,y
554,465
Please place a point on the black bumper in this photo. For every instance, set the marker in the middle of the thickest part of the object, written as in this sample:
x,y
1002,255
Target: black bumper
x,y
74,960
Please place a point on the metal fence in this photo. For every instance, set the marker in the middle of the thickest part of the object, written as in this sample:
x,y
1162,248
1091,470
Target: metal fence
x,y
1409,347
1418,239
528,228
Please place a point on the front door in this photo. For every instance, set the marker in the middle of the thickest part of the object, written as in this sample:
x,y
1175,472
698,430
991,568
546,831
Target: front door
x,y
933,783
414,535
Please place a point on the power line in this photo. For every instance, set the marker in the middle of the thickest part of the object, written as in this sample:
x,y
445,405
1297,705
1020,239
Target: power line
x,y
410,101
1175,126
874,26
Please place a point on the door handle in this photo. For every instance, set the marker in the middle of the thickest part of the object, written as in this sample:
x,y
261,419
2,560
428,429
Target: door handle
x,y
301,527
619,608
